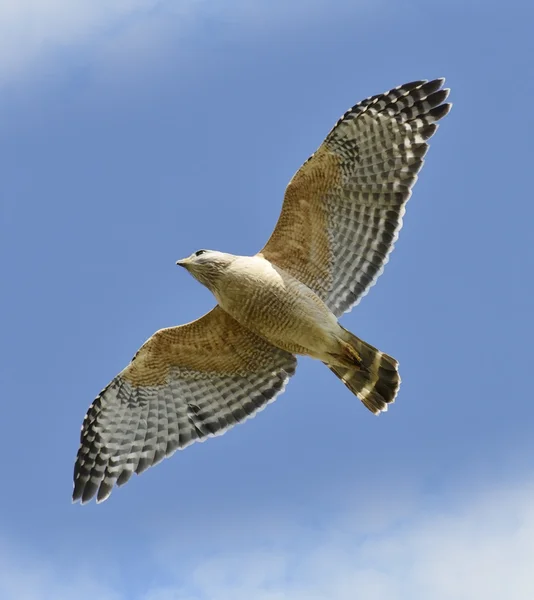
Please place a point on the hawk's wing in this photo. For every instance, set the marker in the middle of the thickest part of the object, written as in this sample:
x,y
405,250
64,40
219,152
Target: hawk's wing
x,y
343,209
185,384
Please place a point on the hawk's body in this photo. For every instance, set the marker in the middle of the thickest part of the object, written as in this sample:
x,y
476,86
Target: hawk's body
x,y
278,307
341,215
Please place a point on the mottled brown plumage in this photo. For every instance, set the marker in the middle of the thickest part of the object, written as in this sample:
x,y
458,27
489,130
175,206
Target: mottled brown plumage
x,y
340,218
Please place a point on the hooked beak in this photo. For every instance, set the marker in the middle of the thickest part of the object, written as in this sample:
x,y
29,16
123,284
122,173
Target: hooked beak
x,y
182,263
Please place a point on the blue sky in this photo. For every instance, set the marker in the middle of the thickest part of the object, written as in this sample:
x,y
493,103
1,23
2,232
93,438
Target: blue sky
x,y
134,132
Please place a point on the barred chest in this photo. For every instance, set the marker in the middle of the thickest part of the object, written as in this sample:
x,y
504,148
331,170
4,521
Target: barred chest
x,y
275,305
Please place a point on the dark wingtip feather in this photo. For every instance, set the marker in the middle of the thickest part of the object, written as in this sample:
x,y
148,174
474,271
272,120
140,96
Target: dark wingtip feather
x,y
89,490
429,131
430,87
440,111
124,477
104,491
438,97
412,85
76,494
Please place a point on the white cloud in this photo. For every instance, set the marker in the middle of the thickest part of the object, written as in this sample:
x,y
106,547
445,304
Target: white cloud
x,y
474,547
32,30
38,35
31,579
479,548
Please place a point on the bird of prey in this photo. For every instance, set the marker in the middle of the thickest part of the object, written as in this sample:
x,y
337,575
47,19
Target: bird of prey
x,y
340,218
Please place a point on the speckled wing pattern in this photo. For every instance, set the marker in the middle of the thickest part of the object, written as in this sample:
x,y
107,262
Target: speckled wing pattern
x,y
343,209
185,384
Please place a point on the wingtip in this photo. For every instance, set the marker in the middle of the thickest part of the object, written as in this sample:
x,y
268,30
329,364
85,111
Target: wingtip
x,y
76,495
440,111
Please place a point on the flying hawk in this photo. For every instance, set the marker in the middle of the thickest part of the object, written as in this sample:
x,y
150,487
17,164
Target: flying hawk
x,y
340,218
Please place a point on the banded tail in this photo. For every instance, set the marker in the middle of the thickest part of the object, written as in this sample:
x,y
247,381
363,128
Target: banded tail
x,y
373,376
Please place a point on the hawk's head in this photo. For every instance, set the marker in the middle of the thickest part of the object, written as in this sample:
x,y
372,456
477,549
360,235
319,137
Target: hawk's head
x,y
207,266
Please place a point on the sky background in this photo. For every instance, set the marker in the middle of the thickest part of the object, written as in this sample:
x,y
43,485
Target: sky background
x,y
134,132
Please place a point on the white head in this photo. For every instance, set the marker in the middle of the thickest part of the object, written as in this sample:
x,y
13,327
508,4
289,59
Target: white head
x,y
207,266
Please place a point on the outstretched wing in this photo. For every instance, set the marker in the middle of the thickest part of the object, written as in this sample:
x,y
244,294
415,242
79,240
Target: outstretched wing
x,y
343,209
185,384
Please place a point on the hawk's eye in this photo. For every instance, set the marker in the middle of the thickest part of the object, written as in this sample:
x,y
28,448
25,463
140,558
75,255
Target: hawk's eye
x,y
200,252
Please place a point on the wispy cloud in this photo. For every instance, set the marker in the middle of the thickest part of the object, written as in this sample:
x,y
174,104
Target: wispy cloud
x,y
33,30
24,577
479,546
38,35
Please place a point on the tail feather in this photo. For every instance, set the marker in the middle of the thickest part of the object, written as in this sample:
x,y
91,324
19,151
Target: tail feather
x,y
373,377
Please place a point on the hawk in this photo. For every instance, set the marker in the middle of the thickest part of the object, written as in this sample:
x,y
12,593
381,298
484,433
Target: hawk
x,y
340,218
